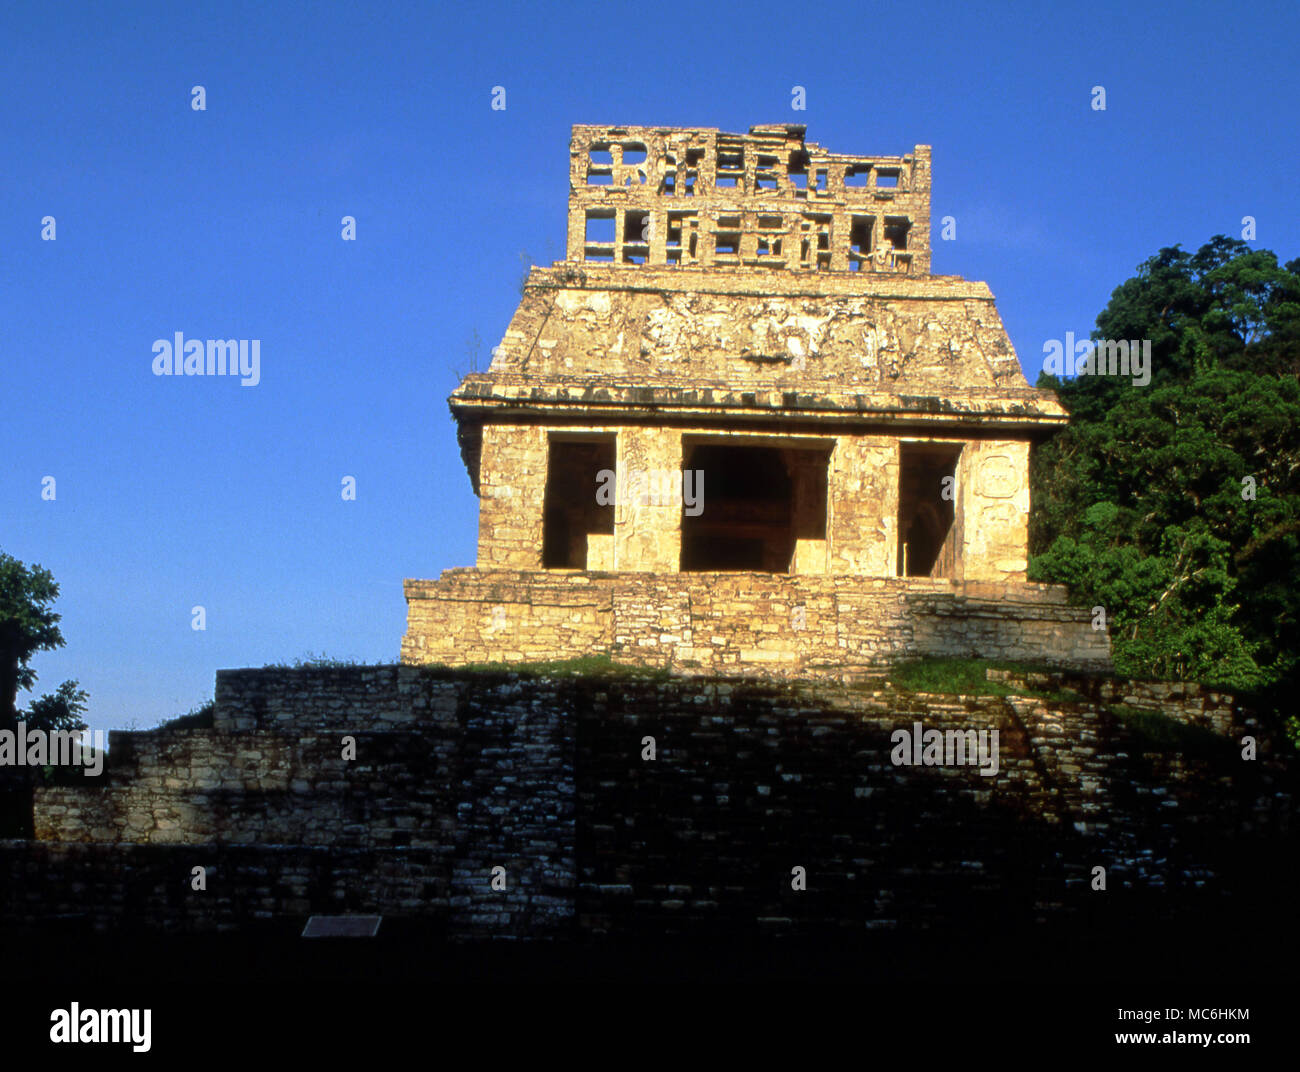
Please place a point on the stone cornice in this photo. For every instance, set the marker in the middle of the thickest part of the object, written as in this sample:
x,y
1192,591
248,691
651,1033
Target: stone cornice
x,y
756,282
494,396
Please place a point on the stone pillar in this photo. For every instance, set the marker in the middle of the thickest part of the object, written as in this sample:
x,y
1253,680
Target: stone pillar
x,y
993,487
841,223
576,236
648,520
863,508
918,202
658,237
512,496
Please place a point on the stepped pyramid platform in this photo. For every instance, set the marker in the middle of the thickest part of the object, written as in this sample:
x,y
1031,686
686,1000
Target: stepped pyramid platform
x,y
458,772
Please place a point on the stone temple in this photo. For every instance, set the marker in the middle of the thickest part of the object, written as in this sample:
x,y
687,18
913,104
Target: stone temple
x,y
742,426
762,313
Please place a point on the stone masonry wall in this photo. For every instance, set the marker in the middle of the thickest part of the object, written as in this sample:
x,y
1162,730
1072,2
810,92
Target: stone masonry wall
x,y
122,885
458,773
748,784
735,622
445,785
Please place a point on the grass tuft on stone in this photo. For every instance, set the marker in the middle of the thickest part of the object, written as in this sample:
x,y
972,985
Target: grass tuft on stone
x,y
201,717
970,677
957,676
1157,732
313,661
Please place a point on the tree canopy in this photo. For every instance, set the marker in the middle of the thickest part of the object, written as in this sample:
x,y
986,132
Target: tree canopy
x,y
1176,505
28,625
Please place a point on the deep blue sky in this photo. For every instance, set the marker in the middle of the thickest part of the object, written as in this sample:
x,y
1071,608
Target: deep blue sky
x,y
174,492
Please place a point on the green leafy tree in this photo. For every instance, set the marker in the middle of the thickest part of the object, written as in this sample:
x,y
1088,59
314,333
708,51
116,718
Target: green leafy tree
x,y
29,625
59,710
1176,506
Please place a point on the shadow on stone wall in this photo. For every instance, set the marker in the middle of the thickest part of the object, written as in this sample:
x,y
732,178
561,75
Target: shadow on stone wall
x,y
458,772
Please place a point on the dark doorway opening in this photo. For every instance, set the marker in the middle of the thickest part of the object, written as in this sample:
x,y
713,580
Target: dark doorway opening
x,y
579,499
928,536
756,502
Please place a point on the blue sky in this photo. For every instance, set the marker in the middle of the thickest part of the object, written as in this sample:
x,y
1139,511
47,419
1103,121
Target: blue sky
x,y
177,492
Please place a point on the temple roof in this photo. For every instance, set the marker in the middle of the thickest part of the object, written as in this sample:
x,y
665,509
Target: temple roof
x,y
610,344
751,297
